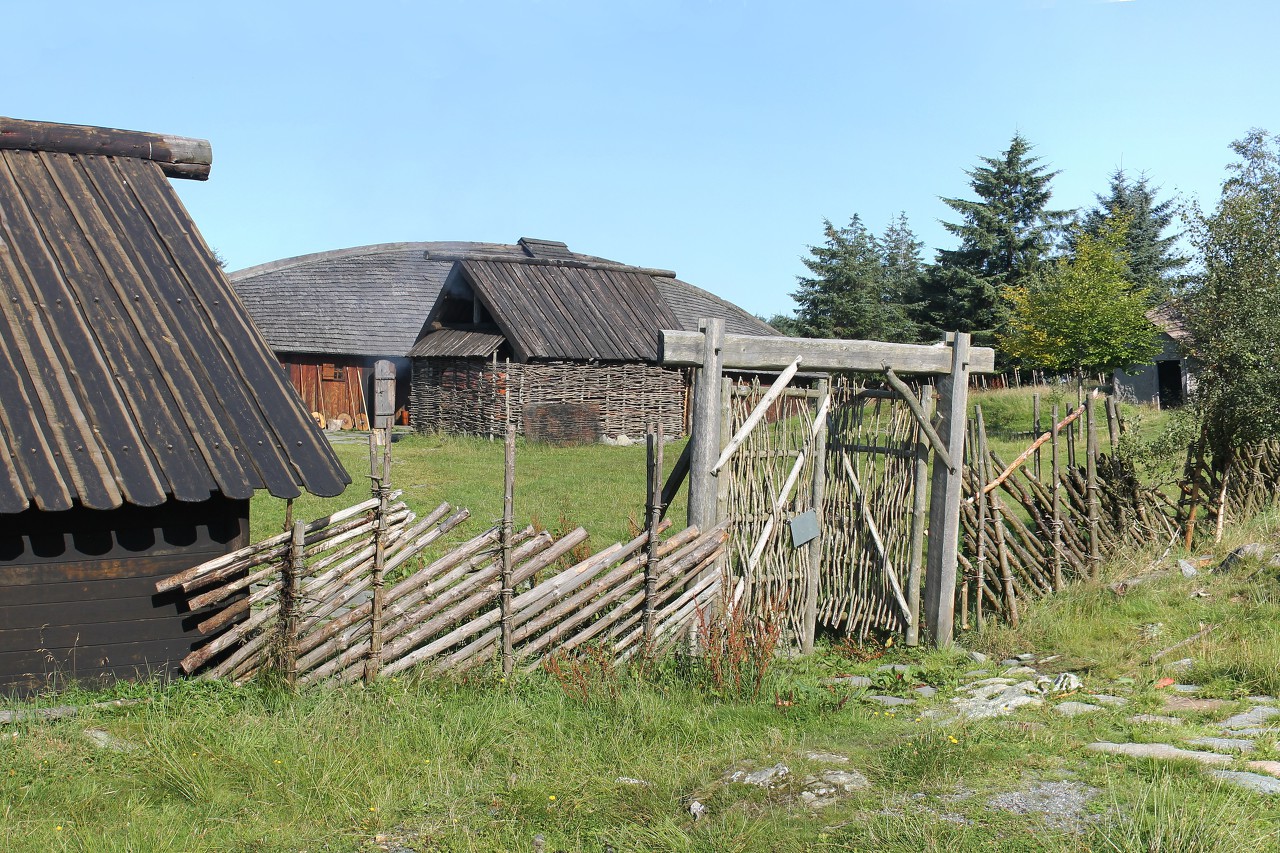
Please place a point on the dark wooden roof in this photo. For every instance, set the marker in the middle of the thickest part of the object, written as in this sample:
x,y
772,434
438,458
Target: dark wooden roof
x,y
376,300
457,343
573,313
129,370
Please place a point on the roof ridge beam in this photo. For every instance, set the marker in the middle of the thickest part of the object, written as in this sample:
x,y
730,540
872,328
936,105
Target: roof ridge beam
x,y
178,156
545,262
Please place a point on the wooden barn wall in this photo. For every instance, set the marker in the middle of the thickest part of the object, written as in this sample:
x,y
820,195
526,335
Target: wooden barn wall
x,y
77,589
471,396
337,385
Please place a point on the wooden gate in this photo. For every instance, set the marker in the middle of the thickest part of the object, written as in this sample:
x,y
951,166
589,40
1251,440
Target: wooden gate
x,y
823,481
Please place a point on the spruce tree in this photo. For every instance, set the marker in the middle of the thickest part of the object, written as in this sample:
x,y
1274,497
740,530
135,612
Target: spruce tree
x,y
1005,237
1153,260
853,290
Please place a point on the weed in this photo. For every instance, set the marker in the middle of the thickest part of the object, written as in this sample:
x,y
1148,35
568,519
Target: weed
x,y
737,649
588,674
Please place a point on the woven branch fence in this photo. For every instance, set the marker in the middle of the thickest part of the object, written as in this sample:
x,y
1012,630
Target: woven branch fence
x,y
310,604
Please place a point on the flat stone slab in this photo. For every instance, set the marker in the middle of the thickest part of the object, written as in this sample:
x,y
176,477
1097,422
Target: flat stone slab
x,y
1061,803
1156,719
1174,702
827,787
827,757
1104,699
1162,751
1253,717
925,690
891,701
1224,744
987,682
1271,768
1251,781
1075,709
1253,731
1019,670
855,681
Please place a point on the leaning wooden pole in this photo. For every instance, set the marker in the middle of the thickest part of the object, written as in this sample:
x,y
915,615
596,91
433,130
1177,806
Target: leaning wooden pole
x,y
653,458
705,439
944,504
380,466
508,516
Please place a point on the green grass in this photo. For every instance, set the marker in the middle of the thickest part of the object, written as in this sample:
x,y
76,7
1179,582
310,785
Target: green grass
x,y
599,487
485,764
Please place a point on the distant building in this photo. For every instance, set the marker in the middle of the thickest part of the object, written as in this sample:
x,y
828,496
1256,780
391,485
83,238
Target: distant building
x,y
1169,380
564,344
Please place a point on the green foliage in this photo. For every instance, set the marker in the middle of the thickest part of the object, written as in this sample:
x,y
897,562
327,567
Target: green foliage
x,y
1083,314
1152,259
1005,237
860,285
1234,313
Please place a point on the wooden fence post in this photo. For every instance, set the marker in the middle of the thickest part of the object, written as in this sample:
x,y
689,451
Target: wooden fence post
x,y
1091,485
944,505
919,495
653,513
818,493
508,504
705,439
291,581
384,390
1056,508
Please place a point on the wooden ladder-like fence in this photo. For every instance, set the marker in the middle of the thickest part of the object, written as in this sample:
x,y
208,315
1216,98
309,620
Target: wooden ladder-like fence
x,y
313,604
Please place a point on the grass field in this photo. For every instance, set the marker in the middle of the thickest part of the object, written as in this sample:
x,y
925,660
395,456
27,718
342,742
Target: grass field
x,y
487,764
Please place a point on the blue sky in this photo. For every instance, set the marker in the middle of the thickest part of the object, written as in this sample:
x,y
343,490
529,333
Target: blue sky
x,y
705,136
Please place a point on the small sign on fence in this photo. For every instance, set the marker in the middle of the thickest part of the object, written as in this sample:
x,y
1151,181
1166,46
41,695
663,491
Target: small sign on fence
x,y
804,528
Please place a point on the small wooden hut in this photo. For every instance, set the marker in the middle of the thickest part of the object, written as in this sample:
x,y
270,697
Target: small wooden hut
x,y
139,406
563,343
1167,382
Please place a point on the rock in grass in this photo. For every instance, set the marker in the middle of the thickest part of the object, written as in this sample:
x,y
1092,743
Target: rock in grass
x,y
1156,719
1187,568
827,787
103,739
1224,744
827,757
856,682
1252,718
767,777
1250,781
1116,701
1075,709
1161,751
977,657
891,701
925,690
1252,551
1061,803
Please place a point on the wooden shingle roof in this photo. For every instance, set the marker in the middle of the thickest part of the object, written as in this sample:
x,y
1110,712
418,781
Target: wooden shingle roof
x,y
129,370
375,301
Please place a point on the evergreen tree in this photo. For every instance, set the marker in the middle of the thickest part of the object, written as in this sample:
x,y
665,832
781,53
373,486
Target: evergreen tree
x,y
1005,238
853,291
903,266
1153,259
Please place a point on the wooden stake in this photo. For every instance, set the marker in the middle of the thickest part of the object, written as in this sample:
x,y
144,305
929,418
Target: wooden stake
x,y
1056,508
292,572
809,624
1091,486
653,458
919,497
508,496
980,477
1035,416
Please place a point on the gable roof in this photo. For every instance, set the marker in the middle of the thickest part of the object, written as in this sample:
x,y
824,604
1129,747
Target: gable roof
x,y
376,300
129,370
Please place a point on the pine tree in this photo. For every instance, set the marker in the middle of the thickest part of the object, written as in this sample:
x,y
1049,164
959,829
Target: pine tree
x,y
1005,237
853,290
1153,259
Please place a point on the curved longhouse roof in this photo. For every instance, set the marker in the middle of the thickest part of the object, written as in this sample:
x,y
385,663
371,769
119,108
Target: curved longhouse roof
x,y
376,300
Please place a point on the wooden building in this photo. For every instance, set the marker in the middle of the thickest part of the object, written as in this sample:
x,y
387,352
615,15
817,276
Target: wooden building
x,y
139,407
563,343
1168,381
